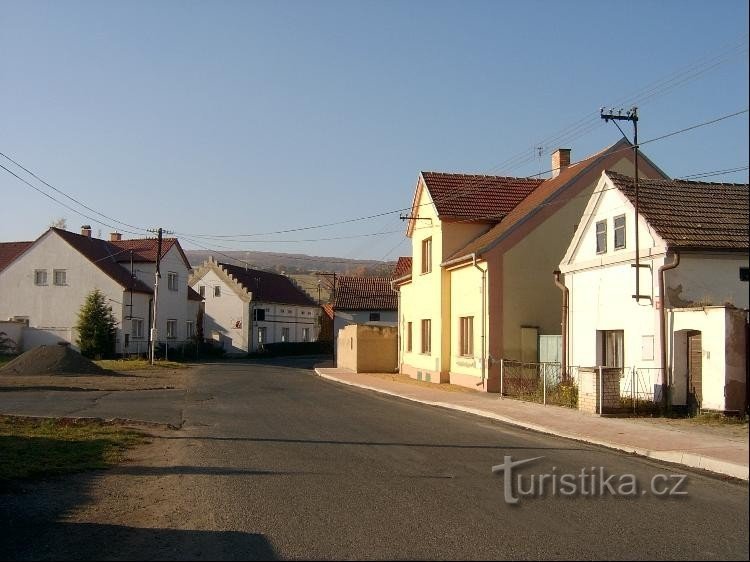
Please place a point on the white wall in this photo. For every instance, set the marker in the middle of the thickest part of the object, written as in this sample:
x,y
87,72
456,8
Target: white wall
x,y
226,317
293,317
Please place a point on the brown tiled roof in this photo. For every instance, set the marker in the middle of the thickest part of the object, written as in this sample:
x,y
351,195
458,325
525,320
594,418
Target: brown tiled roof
x,y
476,197
268,287
550,192
144,249
691,214
328,310
105,256
10,251
403,267
193,295
364,293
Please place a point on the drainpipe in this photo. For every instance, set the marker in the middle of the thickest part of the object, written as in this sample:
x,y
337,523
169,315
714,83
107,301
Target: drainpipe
x,y
398,324
663,326
564,323
484,314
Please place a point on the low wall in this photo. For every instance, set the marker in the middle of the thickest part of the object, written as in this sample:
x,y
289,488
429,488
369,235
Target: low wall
x,y
599,395
367,349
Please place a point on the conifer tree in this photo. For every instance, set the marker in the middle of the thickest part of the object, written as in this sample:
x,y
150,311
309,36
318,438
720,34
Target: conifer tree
x,y
96,326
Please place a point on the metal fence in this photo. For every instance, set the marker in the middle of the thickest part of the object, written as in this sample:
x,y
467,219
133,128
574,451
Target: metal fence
x,y
543,383
640,389
176,350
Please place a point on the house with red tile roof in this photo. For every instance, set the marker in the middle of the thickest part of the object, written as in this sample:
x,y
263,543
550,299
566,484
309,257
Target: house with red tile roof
x,y
678,321
45,282
246,309
484,249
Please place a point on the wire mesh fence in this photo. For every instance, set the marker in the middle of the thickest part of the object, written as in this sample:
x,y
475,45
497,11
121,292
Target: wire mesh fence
x,y
638,389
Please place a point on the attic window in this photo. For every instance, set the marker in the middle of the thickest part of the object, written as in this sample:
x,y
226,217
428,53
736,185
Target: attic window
x,y
619,228
601,237
217,291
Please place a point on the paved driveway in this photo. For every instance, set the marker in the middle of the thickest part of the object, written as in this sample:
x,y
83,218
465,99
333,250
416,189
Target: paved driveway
x,y
273,462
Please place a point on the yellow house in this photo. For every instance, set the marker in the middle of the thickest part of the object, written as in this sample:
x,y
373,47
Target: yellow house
x,y
484,251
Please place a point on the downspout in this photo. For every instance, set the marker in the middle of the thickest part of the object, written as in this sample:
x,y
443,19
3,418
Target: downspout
x,y
484,314
563,324
663,327
398,329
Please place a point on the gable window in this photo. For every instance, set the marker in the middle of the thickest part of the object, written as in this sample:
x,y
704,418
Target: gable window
x,y
466,339
60,277
426,255
426,335
136,328
217,291
202,291
601,237
172,281
40,277
172,329
619,228
408,336
374,317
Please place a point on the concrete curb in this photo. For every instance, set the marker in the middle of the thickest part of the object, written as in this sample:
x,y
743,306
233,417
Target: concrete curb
x,y
676,457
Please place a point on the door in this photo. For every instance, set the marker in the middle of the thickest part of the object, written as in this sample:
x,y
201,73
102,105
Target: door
x,y
695,373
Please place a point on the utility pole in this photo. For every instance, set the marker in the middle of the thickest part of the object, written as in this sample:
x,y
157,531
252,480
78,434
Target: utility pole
x,y
157,276
632,116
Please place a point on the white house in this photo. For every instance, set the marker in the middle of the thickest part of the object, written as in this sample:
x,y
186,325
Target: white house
x,y
681,319
246,309
44,283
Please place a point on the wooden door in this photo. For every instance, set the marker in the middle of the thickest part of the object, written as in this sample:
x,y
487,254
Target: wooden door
x,y
695,363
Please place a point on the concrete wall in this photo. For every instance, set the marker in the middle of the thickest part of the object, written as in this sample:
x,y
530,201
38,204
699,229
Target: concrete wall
x,y
343,318
367,349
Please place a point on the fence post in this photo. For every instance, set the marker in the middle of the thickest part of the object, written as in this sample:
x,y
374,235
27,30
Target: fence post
x,y
601,392
544,384
502,374
632,390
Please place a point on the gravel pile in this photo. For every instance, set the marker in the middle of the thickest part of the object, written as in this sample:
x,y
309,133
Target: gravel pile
x,y
51,360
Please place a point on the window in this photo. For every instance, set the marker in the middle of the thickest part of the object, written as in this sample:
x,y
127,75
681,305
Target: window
x,y
284,334
262,335
172,329
619,228
217,291
189,329
466,339
202,291
40,277
601,237
374,317
305,334
60,277
745,274
172,281
426,255
259,314
426,333
408,336
136,328
612,348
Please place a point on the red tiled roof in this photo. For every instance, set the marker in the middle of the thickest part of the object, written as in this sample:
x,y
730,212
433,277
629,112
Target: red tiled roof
x,y
328,310
10,251
476,197
104,255
267,286
692,214
364,293
144,249
547,193
403,267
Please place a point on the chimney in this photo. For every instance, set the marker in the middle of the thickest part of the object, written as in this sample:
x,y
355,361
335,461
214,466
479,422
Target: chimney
x,y
115,236
86,230
560,161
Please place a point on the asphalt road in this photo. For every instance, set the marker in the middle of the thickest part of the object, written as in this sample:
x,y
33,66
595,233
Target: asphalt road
x,y
274,462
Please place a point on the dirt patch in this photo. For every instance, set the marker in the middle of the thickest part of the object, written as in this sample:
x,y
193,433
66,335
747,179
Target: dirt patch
x,y
408,380
51,360
141,380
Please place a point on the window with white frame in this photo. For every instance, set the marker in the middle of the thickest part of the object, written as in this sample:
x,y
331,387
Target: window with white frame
x,y
466,336
40,277
202,291
601,237
262,331
284,334
619,228
217,291
189,329
172,281
136,328
426,255
60,277
172,329
305,334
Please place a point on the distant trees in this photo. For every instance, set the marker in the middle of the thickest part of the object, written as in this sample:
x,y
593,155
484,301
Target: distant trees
x,y
61,223
96,326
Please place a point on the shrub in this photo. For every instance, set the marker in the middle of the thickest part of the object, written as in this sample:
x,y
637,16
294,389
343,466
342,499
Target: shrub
x,y
96,326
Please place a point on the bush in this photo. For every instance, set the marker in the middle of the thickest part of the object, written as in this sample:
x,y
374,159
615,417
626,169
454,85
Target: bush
x,y
96,327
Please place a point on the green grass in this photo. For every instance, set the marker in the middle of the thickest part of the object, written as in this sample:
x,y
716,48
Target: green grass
x,y
35,448
715,418
137,365
6,358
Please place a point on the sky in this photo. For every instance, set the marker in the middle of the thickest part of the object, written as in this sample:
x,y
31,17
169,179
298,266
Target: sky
x,y
219,119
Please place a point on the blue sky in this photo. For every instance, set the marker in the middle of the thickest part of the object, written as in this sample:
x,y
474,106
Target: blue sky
x,y
223,118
